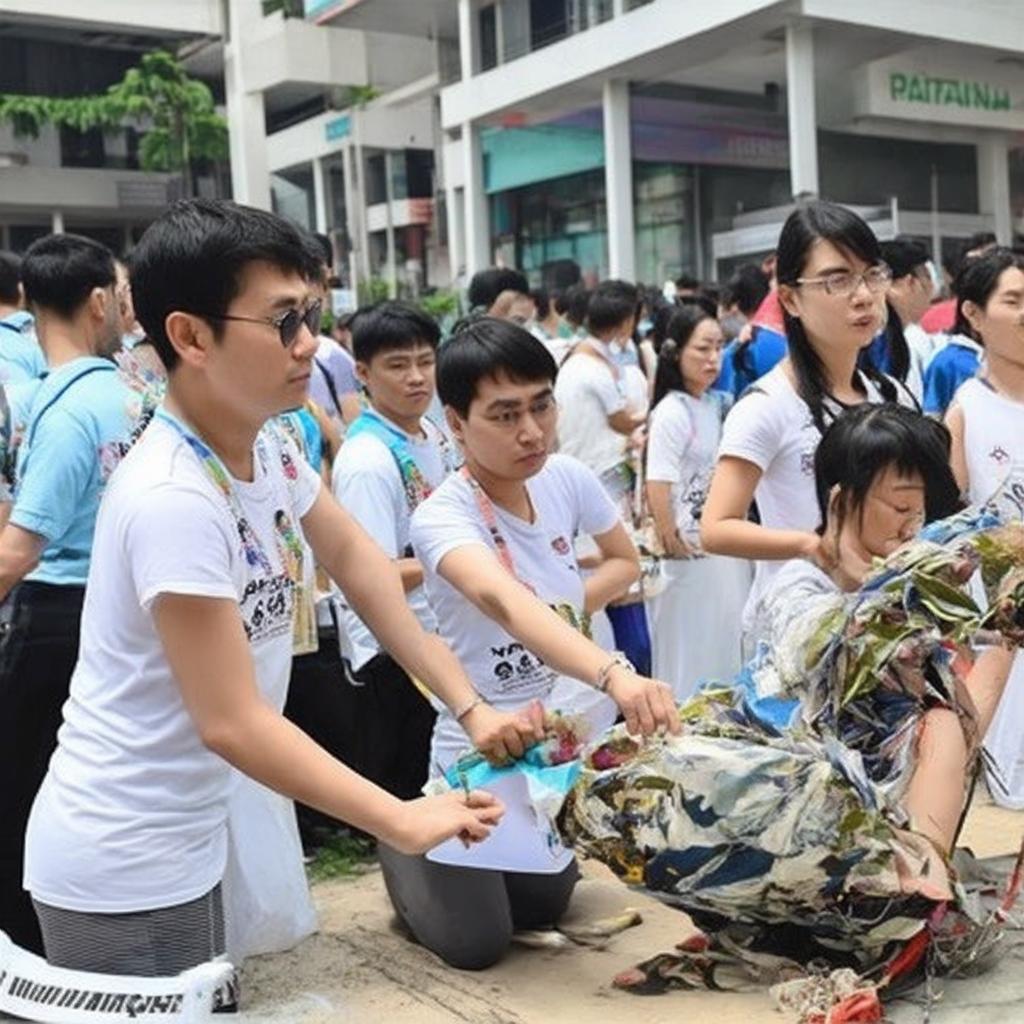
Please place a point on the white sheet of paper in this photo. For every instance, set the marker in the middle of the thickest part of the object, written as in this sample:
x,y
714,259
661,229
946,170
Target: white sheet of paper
x,y
523,841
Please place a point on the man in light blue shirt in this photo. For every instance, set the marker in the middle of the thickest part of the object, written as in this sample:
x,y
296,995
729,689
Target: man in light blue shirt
x,y
78,425
21,358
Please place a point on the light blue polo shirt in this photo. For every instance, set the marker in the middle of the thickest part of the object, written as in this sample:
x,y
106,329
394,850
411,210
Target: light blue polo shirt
x,y
21,358
81,425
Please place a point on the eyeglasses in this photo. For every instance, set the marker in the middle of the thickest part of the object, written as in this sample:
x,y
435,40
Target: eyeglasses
x,y
843,282
510,419
286,324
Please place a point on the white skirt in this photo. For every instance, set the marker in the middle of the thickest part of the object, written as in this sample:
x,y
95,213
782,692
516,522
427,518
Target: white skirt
x,y
696,621
1004,741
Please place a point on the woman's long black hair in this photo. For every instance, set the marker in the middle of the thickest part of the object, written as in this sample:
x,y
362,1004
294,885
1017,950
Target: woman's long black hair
x,y
845,230
678,332
905,257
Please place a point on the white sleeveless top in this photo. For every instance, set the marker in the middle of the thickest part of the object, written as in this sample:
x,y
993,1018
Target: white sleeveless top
x,y
993,437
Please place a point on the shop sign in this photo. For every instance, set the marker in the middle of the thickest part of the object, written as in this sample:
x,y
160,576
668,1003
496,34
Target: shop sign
x,y
913,87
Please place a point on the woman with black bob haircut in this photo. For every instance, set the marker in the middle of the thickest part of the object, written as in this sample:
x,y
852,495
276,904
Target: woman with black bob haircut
x,y
692,640
496,545
881,473
832,288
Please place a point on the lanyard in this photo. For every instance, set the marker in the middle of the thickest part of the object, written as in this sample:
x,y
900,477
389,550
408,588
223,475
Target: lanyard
x,y
486,508
579,621
286,537
416,486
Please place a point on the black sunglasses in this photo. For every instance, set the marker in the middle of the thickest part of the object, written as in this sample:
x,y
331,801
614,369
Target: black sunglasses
x,y
286,324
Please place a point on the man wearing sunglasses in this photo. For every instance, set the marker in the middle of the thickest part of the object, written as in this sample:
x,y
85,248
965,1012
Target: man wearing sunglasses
x,y
199,564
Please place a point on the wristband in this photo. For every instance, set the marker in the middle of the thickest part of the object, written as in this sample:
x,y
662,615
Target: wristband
x,y
474,703
618,659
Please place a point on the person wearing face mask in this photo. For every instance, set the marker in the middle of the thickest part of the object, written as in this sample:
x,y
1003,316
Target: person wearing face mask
x,y
986,420
603,414
495,542
832,287
80,422
693,640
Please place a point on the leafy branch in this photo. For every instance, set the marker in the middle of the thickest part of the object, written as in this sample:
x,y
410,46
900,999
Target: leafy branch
x,y
175,112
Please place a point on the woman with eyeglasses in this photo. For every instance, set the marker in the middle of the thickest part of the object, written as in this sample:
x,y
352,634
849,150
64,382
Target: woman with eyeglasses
x,y
832,288
986,420
496,542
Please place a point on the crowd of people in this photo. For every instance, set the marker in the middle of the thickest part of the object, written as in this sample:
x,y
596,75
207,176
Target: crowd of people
x,y
244,563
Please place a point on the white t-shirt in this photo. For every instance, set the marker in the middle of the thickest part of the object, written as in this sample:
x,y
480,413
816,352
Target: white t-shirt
x,y
367,482
771,426
682,446
993,437
132,813
588,392
567,500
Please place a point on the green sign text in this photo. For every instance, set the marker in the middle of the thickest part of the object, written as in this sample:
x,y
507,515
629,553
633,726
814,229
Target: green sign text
x,y
947,92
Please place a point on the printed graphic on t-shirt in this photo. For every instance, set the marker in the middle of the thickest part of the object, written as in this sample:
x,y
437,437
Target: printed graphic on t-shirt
x,y
515,669
266,605
999,455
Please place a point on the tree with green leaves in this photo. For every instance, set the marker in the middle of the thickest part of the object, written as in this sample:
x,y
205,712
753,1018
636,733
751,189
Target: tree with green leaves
x,y
175,112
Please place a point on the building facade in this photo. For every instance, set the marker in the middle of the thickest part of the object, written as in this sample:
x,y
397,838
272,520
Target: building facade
x,y
649,138
88,182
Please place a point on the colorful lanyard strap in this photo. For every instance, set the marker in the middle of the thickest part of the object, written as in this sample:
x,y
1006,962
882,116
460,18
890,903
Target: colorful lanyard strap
x,y
288,542
490,518
414,483
579,621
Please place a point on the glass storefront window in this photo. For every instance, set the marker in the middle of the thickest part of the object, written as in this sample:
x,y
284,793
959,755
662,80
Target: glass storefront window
x,y
553,221
663,217
291,192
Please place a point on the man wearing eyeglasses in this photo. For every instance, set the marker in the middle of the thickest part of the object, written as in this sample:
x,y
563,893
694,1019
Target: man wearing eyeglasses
x,y
78,422
199,565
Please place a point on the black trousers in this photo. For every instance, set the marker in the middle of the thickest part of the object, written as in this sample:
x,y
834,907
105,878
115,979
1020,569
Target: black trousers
x,y
395,724
39,625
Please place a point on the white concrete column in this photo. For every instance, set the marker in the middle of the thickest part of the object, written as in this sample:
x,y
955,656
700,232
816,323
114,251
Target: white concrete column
x,y
247,129
320,196
618,180
456,243
57,222
389,229
478,228
801,110
994,184
618,8
351,217
467,39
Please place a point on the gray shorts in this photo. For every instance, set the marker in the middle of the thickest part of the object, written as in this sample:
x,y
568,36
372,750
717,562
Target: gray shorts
x,y
147,943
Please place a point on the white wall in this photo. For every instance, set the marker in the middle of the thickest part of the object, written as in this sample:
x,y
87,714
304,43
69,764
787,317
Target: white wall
x,y
68,188
201,17
378,126
290,50
41,152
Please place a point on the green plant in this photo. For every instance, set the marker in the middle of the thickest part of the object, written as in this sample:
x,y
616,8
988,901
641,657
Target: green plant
x,y
373,290
341,856
176,112
440,304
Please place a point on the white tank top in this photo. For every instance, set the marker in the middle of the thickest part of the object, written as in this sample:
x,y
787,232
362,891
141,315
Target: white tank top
x,y
993,437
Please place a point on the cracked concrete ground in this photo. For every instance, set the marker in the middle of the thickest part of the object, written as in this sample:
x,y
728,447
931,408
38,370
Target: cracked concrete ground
x,y
358,970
